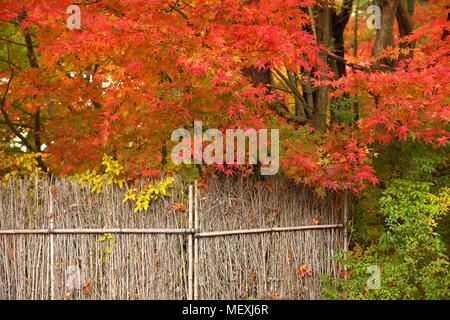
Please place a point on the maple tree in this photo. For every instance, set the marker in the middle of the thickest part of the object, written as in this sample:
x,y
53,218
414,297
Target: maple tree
x,y
137,70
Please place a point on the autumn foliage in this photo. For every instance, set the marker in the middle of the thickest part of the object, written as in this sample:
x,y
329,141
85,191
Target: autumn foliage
x,y
139,69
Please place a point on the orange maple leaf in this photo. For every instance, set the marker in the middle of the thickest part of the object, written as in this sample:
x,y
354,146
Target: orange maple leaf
x,y
179,207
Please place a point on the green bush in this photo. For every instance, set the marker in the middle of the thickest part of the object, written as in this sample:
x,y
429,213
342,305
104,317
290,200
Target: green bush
x,y
410,254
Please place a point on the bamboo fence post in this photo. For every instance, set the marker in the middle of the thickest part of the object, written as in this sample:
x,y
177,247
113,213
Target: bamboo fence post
x,y
196,226
345,219
51,227
190,244
345,228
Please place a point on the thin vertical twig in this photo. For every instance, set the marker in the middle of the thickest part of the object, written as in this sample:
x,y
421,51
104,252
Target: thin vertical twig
x,y
196,240
190,244
51,226
355,30
355,52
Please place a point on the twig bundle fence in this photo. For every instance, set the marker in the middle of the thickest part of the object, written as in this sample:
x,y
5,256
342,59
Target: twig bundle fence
x,y
238,239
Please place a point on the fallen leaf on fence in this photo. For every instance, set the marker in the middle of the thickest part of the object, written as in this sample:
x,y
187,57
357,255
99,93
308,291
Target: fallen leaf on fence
x,y
304,271
315,221
87,286
203,185
179,207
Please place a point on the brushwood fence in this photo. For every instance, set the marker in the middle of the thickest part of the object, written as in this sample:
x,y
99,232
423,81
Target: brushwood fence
x,y
236,239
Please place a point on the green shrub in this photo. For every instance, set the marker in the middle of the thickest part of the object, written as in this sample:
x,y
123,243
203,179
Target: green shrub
x,y
410,254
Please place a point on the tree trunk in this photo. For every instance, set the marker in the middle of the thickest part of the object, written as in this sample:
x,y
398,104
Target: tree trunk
x,y
385,35
338,24
323,24
405,25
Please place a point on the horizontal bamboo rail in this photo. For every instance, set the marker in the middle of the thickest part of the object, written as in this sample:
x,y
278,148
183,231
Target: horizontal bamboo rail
x,y
264,230
169,231
98,231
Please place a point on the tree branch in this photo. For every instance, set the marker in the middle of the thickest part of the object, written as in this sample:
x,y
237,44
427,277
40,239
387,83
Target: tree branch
x,y
289,116
350,64
13,42
17,124
6,117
